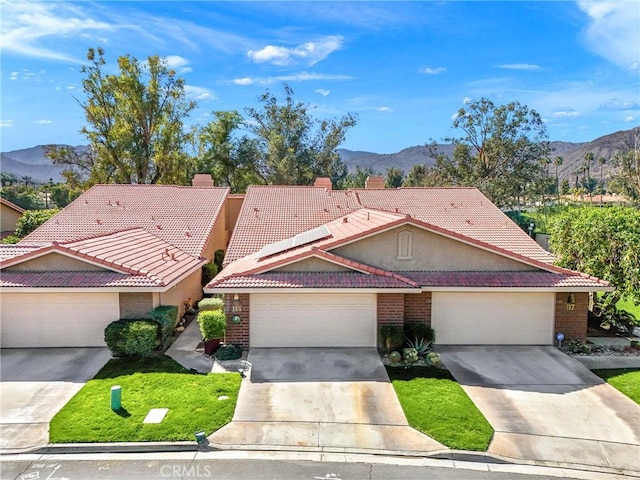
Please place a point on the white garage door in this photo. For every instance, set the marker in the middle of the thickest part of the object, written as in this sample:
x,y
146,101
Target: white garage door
x,y
56,320
313,320
493,318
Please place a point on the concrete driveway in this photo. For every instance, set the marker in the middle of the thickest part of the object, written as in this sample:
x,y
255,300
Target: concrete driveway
x,y
321,399
35,384
547,406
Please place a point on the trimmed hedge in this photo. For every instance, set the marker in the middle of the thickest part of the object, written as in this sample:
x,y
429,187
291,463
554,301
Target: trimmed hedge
x,y
132,338
209,270
229,352
214,303
166,316
213,324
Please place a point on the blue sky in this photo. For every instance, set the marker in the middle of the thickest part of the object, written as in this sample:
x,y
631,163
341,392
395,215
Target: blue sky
x,y
403,68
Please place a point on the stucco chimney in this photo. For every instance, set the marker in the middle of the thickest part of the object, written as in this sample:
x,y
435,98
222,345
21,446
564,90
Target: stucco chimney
x,y
323,182
202,180
374,182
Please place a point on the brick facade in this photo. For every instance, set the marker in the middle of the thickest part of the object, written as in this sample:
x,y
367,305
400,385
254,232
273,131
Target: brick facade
x,y
390,309
573,323
237,333
417,308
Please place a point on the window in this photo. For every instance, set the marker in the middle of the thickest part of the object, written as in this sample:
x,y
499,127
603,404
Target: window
x,y
405,245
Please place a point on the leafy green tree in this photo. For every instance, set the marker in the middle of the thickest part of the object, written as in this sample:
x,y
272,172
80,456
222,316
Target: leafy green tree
x,y
565,187
32,219
63,194
395,177
422,176
626,180
294,148
230,160
134,122
499,151
357,179
603,242
8,179
22,195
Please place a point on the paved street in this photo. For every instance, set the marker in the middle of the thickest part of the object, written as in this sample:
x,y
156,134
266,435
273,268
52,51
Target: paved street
x,y
267,466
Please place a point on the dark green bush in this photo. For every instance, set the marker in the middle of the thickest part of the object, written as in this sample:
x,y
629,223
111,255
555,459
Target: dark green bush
x,y
229,352
218,258
166,316
391,338
132,338
209,270
213,303
419,331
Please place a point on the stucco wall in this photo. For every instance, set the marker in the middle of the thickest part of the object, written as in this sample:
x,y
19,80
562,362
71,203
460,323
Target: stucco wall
x,y
218,239
431,252
8,219
313,265
55,262
177,295
136,305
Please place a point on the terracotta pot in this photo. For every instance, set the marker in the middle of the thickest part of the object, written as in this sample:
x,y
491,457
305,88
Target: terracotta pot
x,y
210,346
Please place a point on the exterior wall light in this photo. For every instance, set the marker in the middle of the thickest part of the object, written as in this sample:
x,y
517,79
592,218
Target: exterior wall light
x,y
571,301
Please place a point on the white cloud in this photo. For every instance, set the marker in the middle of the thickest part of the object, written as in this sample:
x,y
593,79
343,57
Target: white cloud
x,y
308,53
613,31
243,81
28,28
520,66
454,116
433,71
199,93
565,113
616,104
384,109
44,122
323,92
467,100
178,63
629,118
294,77
6,123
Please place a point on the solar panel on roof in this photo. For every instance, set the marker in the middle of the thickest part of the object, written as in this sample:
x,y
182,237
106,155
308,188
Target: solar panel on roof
x,y
300,239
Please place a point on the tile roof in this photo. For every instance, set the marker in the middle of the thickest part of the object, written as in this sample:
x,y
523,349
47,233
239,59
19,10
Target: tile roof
x,y
181,216
31,279
465,211
313,280
530,279
274,213
415,280
135,253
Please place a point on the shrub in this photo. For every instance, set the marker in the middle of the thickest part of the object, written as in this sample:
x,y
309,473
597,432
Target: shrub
x,y
214,303
218,258
421,331
391,337
166,316
132,338
410,356
209,270
32,219
213,324
10,240
229,352
420,345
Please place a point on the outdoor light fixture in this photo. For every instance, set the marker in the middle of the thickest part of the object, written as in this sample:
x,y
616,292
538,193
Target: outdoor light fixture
x,y
236,307
571,301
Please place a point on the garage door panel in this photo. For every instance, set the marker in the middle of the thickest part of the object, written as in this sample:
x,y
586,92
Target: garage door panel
x,y
493,318
313,320
55,320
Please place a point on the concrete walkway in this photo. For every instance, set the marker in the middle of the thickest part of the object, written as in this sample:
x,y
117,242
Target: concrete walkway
x,y
183,350
546,406
320,399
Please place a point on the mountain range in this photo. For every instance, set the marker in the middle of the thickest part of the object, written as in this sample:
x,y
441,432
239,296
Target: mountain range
x,y
32,162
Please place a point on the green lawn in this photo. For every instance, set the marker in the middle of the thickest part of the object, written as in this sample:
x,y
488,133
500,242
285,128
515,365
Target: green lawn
x,y
627,380
192,400
629,306
436,405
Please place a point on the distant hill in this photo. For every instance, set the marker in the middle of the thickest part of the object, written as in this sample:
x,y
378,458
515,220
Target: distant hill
x,y
572,154
32,162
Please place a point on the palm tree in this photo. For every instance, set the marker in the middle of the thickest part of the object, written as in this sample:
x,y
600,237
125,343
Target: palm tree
x,y
602,161
558,163
588,159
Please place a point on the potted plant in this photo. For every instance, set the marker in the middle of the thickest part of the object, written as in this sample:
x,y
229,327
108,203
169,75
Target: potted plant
x,y
213,325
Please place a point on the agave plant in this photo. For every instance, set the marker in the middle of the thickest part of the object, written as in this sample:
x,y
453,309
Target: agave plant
x,y
421,345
